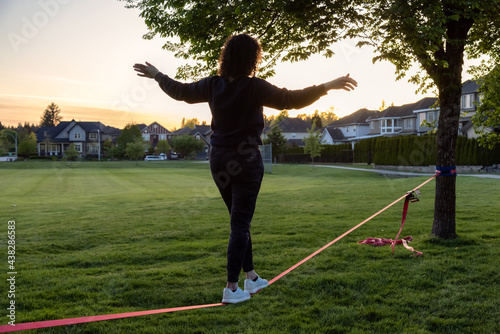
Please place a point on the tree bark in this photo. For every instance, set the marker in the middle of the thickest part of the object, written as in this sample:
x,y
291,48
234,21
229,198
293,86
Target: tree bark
x,y
450,92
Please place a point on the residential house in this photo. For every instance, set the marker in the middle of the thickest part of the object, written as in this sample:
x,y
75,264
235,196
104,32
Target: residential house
x,y
470,98
200,132
468,107
350,128
293,129
402,120
153,133
87,137
332,136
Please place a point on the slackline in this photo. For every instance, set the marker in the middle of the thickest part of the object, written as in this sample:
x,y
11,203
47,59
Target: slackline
x,y
81,320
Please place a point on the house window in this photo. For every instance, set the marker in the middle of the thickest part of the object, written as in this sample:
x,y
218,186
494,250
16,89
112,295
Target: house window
x,y
372,125
431,117
78,136
421,118
93,136
78,147
467,101
92,148
53,148
408,123
294,135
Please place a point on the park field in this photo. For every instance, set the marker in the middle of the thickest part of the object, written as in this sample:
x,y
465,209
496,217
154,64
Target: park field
x,y
112,237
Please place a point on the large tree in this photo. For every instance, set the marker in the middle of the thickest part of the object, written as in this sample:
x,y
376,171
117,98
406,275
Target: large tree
x,y
187,145
312,143
135,150
433,35
277,140
27,146
130,133
51,116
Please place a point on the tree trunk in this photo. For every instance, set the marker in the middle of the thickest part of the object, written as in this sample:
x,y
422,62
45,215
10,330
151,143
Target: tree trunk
x,y
444,204
450,92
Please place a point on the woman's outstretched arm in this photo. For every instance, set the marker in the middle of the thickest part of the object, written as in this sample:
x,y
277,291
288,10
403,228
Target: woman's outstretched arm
x,y
194,92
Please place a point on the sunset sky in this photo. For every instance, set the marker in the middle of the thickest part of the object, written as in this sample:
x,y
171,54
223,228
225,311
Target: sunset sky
x,y
79,55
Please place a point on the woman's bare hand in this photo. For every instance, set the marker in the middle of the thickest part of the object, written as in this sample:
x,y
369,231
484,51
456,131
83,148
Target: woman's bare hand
x,y
148,70
346,83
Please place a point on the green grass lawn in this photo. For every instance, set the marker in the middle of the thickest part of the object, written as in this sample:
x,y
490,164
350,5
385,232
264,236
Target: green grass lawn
x,y
113,237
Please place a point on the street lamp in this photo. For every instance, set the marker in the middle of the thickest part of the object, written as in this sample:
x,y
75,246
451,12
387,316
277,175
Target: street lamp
x,y
15,140
99,147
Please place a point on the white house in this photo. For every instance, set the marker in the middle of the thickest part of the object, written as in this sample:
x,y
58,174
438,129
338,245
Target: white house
x,y
86,136
348,129
400,120
468,107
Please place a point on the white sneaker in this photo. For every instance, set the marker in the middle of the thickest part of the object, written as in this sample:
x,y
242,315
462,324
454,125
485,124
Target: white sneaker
x,y
230,297
254,286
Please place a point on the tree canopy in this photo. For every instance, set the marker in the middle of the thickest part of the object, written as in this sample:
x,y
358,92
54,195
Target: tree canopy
x,y
135,149
51,116
130,133
187,145
278,141
433,35
312,143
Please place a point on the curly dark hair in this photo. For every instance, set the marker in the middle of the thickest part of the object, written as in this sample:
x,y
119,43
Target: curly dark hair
x,y
240,56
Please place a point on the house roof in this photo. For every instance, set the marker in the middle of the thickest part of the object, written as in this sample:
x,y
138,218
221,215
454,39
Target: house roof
x,y
53,131
470,86
406,110
357,117
183,131
293,124
142,126
201,129
154,128
335,134
50,131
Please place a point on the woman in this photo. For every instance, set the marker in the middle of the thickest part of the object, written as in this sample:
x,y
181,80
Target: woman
x,y
236,99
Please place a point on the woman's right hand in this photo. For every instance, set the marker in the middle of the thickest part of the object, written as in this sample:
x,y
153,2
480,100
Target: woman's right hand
x,y
346,83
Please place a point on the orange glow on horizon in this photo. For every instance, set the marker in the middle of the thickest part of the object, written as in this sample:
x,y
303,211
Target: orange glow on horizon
x,y
13,112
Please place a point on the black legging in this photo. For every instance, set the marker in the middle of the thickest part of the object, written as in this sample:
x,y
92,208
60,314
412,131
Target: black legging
x,y
238,173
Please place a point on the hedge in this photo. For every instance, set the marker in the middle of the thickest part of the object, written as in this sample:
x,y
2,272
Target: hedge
x,y
329,153
420,151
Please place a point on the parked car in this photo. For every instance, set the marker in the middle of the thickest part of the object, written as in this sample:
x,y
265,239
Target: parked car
x,y
174,156
163,156
151,158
